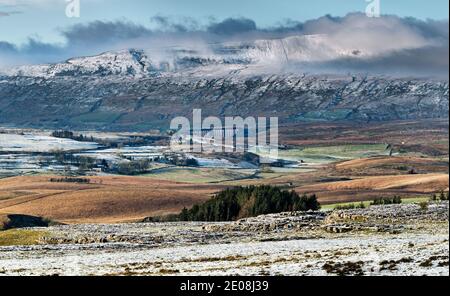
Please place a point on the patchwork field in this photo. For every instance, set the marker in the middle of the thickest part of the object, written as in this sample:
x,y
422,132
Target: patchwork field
x,y
426,137
119,199
330,154
392,165
339,162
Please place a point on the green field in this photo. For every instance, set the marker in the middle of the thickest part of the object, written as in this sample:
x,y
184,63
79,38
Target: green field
x,y
310,155
367,203
20,237
280,172
324,155
199,175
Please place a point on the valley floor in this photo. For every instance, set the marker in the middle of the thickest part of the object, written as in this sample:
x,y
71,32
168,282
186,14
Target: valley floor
x,y
380,240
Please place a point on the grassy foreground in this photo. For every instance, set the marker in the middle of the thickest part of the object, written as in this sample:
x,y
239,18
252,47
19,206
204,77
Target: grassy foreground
x,y
20,237
367,203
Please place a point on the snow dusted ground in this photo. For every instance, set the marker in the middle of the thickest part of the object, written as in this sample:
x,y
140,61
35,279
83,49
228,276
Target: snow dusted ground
x,y
118,154
22,153
417,243
296,257
40,143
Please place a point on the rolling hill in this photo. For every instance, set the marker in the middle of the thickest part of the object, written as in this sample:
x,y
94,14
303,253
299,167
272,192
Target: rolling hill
x,y
123,199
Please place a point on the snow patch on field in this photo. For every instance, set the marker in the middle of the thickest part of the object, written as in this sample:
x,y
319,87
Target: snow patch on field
x,y
40,143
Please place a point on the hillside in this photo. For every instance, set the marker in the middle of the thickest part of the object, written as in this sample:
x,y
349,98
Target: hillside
x,y
132,90
106,199
369,188
119,199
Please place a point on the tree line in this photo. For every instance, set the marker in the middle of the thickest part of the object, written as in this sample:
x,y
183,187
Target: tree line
x,y
72,136
241,202
396,200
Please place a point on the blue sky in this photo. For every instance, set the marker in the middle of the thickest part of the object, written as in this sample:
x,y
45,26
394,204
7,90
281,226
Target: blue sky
x,y
43,19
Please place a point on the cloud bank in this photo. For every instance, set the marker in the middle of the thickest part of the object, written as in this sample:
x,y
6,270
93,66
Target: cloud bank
x,y
354,43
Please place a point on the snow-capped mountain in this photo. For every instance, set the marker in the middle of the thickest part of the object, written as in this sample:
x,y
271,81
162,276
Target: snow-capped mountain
x,y
301,49
232,57
124,62
140,89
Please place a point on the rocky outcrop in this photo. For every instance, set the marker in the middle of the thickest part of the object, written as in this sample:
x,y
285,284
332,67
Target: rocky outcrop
x,y
272,222
392,219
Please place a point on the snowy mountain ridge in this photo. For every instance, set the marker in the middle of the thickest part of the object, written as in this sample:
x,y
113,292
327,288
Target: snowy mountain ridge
x,y
250,57
137,89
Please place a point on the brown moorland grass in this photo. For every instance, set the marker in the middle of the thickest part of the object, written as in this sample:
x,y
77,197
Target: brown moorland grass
x,y
383,160
395,165
367,188
106,199
428,136
111,199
